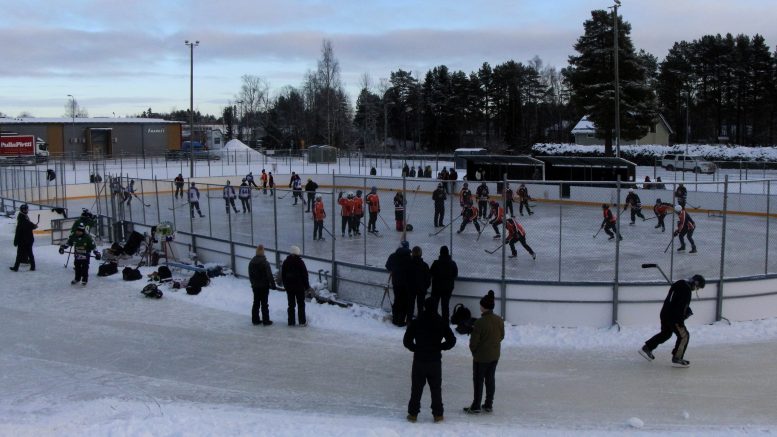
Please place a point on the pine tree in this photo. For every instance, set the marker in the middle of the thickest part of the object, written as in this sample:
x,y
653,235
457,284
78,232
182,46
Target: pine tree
x,y
591,79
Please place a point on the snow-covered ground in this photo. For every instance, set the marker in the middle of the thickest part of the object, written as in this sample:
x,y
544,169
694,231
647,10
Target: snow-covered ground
x,y
104,360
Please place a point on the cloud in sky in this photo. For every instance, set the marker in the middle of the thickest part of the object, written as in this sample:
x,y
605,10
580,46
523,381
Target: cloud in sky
x,y
123,57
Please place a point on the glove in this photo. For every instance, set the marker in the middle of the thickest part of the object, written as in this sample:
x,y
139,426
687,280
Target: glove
x,y
340,195
97,255
675,233
62,249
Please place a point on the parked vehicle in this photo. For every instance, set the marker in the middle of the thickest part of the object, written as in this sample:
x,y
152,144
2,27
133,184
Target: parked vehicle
x,y
23,149
196,148
682,162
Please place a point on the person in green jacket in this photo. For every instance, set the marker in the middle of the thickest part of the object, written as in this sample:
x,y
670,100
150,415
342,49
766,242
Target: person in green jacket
x,y
82,245
485,343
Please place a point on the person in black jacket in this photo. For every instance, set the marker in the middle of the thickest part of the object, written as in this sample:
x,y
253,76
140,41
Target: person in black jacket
x,y
262,280
310,189
426,337
398,264
23,239
673,314
444,272
419,282
439,196
295,280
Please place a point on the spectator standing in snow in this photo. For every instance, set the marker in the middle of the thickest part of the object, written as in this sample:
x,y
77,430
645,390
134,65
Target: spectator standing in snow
x,y
427,337
295,280
485,344
260,274
398,264
444,272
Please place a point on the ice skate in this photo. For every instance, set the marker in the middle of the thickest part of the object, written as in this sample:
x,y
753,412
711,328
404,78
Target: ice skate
x,y
412,418
438,419
680,363
693,250
470,410
647,354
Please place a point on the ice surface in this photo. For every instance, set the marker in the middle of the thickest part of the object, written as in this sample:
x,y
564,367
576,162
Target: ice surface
x,y
104,360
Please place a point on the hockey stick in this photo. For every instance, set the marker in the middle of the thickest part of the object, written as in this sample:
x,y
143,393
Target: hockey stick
x,y
176,207
597,232
330,234
384,222
491,252
147,205
443,228
655,266
38,220
284,195
670,243
694,207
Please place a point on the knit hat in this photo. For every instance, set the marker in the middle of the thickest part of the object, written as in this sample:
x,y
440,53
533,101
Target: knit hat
x,y
444,250
405,244
488,300
295,250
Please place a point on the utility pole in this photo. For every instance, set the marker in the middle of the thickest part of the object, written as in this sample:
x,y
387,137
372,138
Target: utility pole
x,y
617,81
191,45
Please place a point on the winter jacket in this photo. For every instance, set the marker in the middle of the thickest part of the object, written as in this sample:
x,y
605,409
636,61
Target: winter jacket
x,y
81,246
444,271
424,337
24,228
311,187
260,273
319,213
398,264
439,197
677,302
294,274
420,279
486,338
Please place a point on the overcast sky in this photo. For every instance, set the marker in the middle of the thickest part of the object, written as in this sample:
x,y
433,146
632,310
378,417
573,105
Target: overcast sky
x,y
118,56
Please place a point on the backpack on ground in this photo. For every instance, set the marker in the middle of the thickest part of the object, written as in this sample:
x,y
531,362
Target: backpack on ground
x,y
164,274
152,291
107,269
130,274
466,326
133,243
196,282
460,314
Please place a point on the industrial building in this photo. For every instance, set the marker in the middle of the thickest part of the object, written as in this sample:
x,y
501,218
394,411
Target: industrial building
x,y
100,137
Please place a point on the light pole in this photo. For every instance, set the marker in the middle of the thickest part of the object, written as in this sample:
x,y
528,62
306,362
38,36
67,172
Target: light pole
x,y
617,80
191,45
239,124
73,117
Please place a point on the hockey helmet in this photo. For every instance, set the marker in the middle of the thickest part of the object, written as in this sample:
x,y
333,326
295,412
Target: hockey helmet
x,y
658,200
439,185
228,183
604,206
373,189
85,212
350,194
318,197
409,228
699,280
244,179
24,208
466,185
631,190
678,208
81,227
359,193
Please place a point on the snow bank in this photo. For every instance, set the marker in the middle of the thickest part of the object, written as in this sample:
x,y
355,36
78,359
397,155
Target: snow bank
x,y
709,151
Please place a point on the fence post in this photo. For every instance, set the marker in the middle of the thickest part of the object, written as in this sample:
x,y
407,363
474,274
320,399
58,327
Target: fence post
x,y
364,193
275,227
503,297
156,192
231,246
719,302
450,215
617,252
560,228
768,211
210,214
333,284
404,209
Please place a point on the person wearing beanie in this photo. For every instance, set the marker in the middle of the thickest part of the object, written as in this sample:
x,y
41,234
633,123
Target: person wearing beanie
x,y
444,272
398,265
419,282
675,310
295,280
262,280
485,344
427,336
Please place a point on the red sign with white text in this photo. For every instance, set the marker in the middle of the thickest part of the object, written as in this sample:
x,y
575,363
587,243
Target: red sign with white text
x,y
14,145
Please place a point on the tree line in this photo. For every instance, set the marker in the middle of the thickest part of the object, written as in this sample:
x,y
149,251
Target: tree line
x,y
716,89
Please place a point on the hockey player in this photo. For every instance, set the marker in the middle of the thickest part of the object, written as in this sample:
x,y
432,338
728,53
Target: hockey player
x,y
310,189
23,239
681,195
244,194
399,211
346,213
633,202
675,310
661,209
229,196
129,191
250,180
178,185
438,196
373,200
495,216
358,212
263,178
87,219
509,200
469,214
482,195
609,222
685,228
523,199
465,195
271,183
194,200
319,214
516,232
296,190
82,245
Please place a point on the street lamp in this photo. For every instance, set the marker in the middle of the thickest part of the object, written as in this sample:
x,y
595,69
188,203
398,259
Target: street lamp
x,y
617,80
191,45
73,115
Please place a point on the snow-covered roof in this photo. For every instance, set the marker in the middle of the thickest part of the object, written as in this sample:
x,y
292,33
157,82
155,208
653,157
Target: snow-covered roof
x,y
586,126
89,120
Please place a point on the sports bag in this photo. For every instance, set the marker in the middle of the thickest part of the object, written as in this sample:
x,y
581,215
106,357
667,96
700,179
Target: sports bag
x,y
107,269
130,274
466,326
460,314
196,282
164,274
152,291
